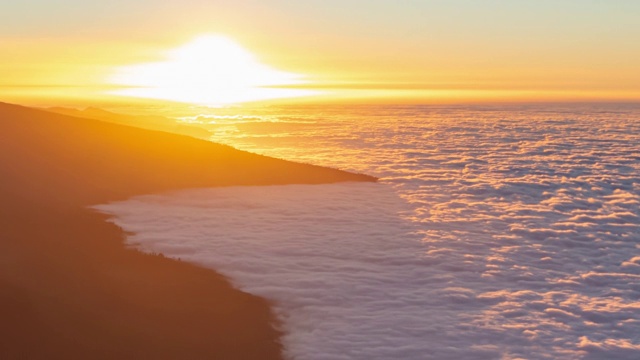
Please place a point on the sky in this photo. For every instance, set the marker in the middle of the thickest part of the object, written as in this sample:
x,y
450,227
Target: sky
x,y
418,49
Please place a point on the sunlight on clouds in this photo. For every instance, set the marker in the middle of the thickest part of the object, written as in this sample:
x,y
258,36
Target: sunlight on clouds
x,y
519,240
210,70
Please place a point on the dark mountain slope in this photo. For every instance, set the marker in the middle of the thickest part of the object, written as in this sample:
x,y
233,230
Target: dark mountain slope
x,y
69,289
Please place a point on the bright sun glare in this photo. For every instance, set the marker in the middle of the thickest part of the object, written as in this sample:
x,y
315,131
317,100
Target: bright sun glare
x,y
210,70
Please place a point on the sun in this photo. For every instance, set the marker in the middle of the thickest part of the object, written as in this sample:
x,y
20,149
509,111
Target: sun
x,y
209,70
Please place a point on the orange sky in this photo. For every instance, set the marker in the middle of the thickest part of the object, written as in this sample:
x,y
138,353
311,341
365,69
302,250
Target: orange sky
x,y
352,50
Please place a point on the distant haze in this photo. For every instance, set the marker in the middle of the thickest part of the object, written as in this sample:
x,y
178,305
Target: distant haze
x,y
416,51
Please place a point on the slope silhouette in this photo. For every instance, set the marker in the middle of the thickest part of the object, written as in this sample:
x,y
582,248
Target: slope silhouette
x,y
69,289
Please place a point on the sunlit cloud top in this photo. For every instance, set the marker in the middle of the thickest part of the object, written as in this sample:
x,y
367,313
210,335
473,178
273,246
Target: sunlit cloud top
x,y
209,70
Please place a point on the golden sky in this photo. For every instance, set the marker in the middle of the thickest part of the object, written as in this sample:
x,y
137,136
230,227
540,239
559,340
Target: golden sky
x,y
402,50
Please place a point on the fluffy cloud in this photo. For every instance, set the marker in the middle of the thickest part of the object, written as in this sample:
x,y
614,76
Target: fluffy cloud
x,y
496,234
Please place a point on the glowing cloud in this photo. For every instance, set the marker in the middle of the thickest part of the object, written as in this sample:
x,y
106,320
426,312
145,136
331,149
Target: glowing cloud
x,y
210,70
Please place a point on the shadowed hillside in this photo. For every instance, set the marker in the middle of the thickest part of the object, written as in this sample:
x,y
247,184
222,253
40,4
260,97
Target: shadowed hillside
x,y
69,289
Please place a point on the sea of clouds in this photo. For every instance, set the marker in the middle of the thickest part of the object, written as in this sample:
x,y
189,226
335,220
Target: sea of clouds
x,y
494,233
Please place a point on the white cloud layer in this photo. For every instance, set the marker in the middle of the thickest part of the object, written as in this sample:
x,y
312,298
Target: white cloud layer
x,y
515,234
